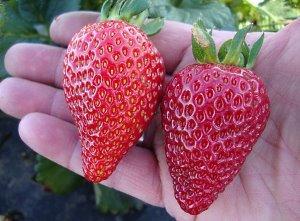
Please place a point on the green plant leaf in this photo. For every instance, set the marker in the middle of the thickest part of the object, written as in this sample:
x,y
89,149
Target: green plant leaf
x,y
57,7
269,15
11,20
3,74
43,11
176,3
213,14
293,3
32,10
111,201
91,5
280,10
14,29
58,179
28,21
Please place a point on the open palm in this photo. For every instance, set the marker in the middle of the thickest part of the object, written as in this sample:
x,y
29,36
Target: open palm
x,y
267,188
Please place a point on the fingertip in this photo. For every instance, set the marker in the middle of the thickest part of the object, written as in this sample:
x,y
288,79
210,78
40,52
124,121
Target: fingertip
x,y
55,26
75,163
30,130
2,94
25,127
25,59
10,63
43,134
7,95
8,59
66,25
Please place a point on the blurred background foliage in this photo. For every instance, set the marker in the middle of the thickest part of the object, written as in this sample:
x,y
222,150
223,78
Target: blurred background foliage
x,y
29,21
267,15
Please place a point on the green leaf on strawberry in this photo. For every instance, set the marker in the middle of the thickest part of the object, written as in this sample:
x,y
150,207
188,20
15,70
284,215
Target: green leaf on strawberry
x,y
232,52
153,26
254,52
135,12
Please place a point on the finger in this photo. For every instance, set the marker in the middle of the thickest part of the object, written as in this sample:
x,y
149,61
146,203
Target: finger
x,y
36,62
136,175
52,138
66,25
172,41
19,97
278,60
43,63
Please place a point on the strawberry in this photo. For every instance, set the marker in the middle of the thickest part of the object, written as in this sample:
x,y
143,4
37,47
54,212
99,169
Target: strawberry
x,y
113,78
212,115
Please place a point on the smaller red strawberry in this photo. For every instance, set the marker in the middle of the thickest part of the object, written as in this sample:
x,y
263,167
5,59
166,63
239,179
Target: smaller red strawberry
x,y
212,115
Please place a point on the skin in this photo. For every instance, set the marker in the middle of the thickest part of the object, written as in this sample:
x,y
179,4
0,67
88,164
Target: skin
x,y
268,186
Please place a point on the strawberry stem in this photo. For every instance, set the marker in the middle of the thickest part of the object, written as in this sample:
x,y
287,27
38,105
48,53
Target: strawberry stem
x,y
232,52
135,12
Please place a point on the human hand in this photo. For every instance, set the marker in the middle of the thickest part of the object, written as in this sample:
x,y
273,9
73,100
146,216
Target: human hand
x,y
268,186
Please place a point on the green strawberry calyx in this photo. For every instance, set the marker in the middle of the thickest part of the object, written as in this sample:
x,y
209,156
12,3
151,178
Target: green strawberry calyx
x,y
232,52
136,12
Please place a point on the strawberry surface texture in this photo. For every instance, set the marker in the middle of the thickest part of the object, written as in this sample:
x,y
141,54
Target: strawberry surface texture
x,y
213,114
113,78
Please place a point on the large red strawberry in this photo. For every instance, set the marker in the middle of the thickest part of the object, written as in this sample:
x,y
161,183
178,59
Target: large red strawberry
x,y
113,77
212,114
